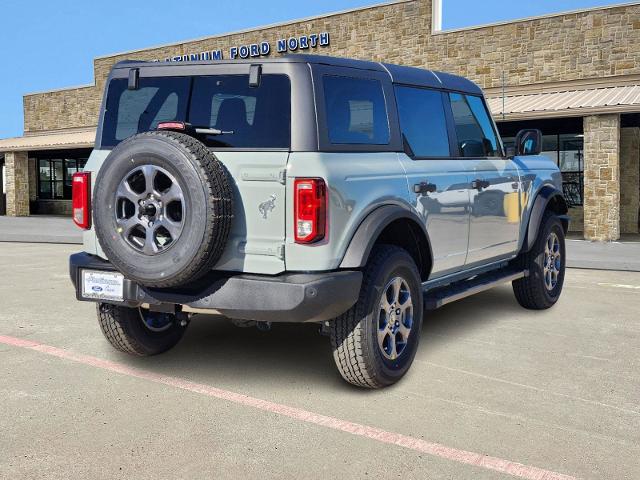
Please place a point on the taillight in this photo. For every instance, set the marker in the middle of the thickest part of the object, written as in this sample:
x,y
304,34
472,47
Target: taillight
x,y
81,203
310,209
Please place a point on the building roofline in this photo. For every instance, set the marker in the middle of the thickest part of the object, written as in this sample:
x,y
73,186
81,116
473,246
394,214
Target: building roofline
x,y
536,17
61,89
258,28
563,86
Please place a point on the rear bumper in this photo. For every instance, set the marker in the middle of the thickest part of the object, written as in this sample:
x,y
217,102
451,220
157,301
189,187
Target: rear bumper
x,y
292,297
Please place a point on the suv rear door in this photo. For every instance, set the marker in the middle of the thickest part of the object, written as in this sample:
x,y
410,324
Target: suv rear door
x,y
437,181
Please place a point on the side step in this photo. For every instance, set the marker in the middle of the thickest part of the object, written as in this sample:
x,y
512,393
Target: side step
x,y
436,298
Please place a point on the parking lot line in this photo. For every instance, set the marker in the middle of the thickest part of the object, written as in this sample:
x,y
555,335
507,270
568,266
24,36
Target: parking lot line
x,y
373,433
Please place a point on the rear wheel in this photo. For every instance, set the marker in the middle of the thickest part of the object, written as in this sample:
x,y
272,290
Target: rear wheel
x,y
138,331
546,263
374,343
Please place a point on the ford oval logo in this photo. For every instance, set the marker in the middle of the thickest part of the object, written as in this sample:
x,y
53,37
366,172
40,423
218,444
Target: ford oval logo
x,y
96,289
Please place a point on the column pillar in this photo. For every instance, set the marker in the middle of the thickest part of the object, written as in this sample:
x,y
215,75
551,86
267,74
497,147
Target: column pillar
x,y
629,179
17,171
602,178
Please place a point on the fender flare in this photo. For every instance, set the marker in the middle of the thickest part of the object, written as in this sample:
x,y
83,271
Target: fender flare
x,y
370,229
545,196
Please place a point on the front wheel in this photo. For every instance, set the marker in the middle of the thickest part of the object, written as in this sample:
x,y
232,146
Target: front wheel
x,y
138,331
374,343
546,263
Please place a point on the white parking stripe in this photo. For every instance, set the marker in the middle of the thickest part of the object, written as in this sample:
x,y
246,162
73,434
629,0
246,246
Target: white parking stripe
x,y
619,285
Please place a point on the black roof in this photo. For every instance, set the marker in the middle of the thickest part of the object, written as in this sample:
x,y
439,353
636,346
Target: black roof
x,y
398,73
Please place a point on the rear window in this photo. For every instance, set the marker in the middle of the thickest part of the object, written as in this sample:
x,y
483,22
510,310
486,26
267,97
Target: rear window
x,y
255,117
356,111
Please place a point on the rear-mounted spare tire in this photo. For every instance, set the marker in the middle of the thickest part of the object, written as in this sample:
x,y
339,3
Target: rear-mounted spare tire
x,y
163,207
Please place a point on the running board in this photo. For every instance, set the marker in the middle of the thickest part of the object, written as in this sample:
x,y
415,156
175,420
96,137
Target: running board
x,y
436,298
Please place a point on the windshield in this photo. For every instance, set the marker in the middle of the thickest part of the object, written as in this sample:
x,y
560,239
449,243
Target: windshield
x,y
251,117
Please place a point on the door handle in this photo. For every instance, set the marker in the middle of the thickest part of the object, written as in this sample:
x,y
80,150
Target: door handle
x,y
425,187
479,184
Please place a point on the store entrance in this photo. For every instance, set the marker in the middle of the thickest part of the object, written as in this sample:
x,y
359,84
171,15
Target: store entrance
x,y
3,183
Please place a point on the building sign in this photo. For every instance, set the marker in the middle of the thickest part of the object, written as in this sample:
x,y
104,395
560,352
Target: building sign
x,y
262,49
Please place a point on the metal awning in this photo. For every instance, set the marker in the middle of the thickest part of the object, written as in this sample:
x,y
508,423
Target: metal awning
x,y
592,101
84,138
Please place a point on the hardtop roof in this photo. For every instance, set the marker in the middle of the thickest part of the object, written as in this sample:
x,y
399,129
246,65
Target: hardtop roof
x,y
398,73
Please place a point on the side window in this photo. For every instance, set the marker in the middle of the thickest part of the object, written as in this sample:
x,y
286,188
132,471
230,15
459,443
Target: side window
x,y
356,111
423,121
476,137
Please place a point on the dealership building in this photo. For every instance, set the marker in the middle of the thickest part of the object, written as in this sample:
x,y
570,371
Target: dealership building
x,y
575,76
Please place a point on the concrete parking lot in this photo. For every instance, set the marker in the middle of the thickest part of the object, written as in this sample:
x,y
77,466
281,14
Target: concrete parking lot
x,y
495,391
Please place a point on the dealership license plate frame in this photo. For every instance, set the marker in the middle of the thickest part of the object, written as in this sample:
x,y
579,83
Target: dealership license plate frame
x,y
99,285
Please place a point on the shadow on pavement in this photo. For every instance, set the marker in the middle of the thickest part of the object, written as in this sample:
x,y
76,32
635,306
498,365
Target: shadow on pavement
x,y
214,351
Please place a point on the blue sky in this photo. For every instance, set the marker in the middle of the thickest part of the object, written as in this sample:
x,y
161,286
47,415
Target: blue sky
x,y
46,45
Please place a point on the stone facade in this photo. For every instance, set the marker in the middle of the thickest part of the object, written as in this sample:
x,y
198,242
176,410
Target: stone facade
x,y
599,44
592,44
17,173
602,177
629,180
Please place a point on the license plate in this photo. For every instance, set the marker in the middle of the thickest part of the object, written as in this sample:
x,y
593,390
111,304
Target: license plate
x,y
102,285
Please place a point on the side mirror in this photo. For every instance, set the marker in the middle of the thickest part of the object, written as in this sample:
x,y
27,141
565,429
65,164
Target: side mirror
x,y
528,142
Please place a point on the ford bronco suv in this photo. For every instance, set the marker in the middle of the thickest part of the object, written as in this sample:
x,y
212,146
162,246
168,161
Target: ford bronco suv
x,y
351,194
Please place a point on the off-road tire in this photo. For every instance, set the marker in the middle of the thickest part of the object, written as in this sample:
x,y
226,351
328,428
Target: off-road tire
x,y
531,291
207,188
126,332
353,334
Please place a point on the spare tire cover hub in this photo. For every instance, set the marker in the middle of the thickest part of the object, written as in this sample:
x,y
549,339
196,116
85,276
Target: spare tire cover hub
x,y
149,209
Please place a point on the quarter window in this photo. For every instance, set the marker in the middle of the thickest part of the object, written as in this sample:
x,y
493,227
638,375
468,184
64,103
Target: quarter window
x,y
423,121
476,136
356,111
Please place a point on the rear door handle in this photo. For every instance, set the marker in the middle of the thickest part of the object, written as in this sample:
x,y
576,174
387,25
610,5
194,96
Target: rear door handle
x,y
479,184
424,188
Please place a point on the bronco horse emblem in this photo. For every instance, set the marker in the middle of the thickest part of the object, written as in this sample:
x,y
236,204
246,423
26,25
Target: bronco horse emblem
x,y
268,206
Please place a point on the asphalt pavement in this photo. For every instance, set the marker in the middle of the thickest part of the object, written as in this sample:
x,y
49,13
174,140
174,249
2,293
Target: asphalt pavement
x,y
494,389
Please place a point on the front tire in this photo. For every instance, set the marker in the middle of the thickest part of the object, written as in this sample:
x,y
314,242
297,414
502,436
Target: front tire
x,y
374,343
138,331
546,263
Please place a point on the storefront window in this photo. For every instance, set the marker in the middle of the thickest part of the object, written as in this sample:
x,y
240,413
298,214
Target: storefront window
x,y
54,177
566,151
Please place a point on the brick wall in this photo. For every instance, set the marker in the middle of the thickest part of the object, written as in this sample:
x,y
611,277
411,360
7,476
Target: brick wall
x,y
629,179
566,47
602,177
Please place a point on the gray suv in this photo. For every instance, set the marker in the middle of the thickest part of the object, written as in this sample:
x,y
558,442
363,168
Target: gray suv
x,y
351,194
